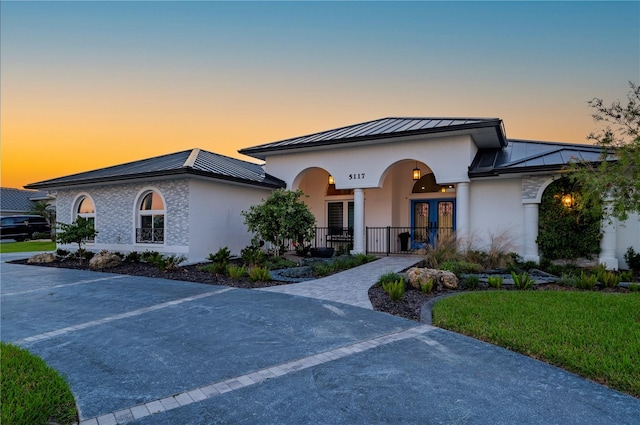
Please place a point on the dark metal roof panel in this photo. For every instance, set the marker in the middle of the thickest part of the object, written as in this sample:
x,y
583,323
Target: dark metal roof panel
x,y
374,129
233,168
520,155
205,163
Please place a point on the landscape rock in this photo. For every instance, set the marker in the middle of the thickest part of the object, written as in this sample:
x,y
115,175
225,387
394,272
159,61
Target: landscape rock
x,y
46,257
104,260
441,279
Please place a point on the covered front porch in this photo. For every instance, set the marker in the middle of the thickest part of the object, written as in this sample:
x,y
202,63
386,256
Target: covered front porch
x,y
408,212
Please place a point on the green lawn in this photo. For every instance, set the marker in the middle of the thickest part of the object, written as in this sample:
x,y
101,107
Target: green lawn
x,y
31,392
593,334
27,246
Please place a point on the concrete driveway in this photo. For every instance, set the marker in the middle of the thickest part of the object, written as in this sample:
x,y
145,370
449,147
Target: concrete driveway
x,y
154,351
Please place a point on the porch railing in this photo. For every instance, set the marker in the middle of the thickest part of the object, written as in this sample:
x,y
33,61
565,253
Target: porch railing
x,y
146,235
403,240
380,240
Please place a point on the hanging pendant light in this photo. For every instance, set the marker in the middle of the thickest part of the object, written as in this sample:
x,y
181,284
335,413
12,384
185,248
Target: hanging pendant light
x,y
416,173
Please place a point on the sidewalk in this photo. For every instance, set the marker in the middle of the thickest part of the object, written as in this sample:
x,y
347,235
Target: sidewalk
x,y
350,286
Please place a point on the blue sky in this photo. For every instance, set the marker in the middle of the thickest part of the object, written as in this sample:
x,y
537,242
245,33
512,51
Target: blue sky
x,y
136,79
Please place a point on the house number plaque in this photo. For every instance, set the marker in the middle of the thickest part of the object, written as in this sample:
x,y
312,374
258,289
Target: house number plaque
x,y
358,176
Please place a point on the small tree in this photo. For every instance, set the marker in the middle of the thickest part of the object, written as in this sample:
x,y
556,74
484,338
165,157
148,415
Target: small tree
x,y
280,217
77,232
616,178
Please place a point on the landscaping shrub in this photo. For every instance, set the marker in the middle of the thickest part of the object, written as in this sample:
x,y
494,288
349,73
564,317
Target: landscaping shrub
x,y
427,287
470,282
461,267
236,272
608,279
282,216
253,255
586,281
62,252
567,279
133,257
222,256
494,281
321,269
446,249
389,277
171,262
634,287
632,259
259,274
626,276
522,281
215,268
152,257
395,289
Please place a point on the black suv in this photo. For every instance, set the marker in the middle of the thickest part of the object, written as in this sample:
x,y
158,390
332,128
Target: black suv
x,y
21,227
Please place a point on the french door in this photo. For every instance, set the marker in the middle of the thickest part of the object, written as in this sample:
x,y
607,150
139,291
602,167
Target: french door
x,y
432,220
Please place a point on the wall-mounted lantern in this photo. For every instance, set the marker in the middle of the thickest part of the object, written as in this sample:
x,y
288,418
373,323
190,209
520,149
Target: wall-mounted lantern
x,y
567,200
331,180
416,173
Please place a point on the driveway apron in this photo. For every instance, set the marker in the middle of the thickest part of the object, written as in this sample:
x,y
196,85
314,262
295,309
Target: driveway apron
x,y
155,351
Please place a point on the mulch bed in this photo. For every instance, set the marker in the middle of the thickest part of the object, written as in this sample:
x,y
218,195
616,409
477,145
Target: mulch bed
x,y
409,307
187,273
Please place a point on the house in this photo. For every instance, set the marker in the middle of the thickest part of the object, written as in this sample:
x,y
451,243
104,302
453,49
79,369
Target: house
x,y
185,203
18,201
388,185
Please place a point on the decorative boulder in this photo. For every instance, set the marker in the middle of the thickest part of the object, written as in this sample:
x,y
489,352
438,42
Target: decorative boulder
x,y
46,257
441,279
104,260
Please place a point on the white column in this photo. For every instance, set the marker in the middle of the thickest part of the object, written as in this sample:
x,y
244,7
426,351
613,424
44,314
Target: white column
x,y
608,244
531,232
358,221
462,211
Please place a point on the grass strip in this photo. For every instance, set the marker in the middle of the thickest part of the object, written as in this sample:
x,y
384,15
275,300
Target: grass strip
x,y
27,246
31,392
595,335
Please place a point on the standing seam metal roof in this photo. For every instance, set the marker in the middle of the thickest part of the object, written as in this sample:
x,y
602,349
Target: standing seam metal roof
x,y
375,129
521,155
206,164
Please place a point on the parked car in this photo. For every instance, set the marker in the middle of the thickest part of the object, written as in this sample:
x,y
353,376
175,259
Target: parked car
x,y
21,227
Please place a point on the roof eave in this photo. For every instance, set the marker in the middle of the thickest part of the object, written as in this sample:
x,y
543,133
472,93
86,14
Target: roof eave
x,y
164,173
260,152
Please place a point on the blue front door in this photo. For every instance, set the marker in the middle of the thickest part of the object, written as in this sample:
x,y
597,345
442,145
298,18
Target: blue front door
x,y
431,220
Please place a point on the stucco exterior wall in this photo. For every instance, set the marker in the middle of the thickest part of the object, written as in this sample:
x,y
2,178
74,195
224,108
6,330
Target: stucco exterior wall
x,y
628,235
496,208
215,220
364,166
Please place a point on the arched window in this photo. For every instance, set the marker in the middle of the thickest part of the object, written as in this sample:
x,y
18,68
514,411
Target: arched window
x,y
150,219
86,210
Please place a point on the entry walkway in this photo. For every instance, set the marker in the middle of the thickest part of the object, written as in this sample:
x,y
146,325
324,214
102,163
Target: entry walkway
x,y
350,286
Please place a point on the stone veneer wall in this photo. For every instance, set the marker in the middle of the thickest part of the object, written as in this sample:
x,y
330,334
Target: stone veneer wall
x,y
531,186
115,212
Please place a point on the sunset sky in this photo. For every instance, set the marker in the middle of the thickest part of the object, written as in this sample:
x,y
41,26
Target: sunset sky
x,y
86,85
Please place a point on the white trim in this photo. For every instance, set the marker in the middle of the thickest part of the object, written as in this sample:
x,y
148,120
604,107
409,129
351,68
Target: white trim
x,y
192,158
136,215
74,213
